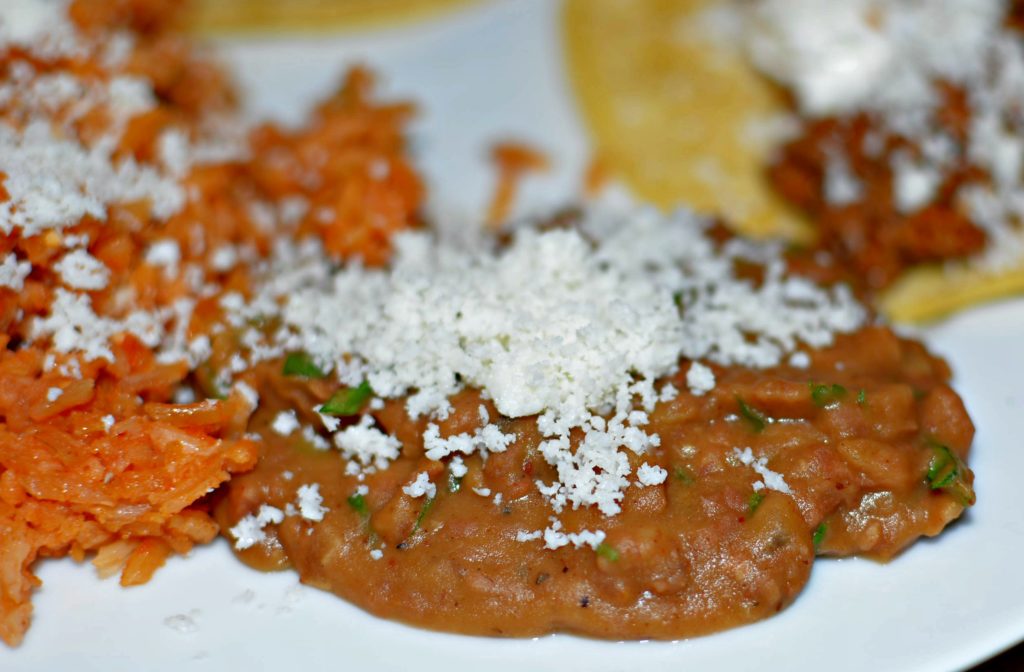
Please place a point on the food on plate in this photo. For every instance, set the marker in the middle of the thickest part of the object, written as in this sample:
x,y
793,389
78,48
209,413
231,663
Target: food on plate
x,y
131,199
610,421
616,423
675,109
311,15
903,148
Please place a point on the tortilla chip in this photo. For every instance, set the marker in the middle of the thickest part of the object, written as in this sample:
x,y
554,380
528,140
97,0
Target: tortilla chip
x,y
932,292
309,16
675,109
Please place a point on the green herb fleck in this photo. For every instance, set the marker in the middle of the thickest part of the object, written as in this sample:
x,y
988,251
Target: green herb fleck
x,y
947,472
607,552
684,475
454,482
348,400
826,395
819,535
427,506
358,504
862,397
754,417
302,365
754,501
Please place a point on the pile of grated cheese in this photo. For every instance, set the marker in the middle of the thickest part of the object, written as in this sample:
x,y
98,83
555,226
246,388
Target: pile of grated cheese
x,y
885,58
574,326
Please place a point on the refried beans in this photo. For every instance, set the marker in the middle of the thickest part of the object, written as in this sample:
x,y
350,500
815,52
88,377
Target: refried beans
x,y
856,447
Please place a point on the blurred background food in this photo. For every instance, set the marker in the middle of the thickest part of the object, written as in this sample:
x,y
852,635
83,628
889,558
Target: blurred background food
x,y
674,107
240,16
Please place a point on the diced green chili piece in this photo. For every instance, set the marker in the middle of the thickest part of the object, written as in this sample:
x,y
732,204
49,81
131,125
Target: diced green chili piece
x,y
302,365
819,535
684,475
607,552
753,416
427,506
358,504
755,501
348,400
947,472
862,397
826,395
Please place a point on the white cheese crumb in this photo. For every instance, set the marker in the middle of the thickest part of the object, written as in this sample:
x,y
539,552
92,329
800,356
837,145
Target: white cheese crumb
x,y
250,395
458,467
421,486
311,502
555,538
771,479
14,272
700,379
362,490
483,492
108,422
80,270
164,253
249,530
54,393
651,475
524,536
330,422
285,423
800,360
486,439
376,554
367,444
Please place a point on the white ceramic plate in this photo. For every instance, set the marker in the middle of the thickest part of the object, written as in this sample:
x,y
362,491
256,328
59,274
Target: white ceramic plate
x,y
496,72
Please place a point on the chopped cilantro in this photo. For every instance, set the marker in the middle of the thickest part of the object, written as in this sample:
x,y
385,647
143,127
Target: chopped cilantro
x,y
607,552
755,501
427,506
348,400
947,472
862,397
826,395
684,475
819,535
454,482
358,504
302,365
753,416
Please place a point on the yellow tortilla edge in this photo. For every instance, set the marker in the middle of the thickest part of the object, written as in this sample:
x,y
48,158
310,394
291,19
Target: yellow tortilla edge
x,y
309,17
929,293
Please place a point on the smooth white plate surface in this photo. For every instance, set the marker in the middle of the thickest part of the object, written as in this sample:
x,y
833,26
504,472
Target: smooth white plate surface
x,y
496,72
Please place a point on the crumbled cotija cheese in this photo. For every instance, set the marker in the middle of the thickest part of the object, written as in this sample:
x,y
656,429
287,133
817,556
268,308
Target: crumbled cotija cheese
x,y
421,486
311,502
771,479
573,325
249,530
